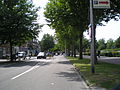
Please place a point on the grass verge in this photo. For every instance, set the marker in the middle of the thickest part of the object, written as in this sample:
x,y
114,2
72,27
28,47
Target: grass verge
x,y
106,75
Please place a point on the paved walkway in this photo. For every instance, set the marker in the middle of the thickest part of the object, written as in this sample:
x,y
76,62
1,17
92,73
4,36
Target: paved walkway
x,y
113,60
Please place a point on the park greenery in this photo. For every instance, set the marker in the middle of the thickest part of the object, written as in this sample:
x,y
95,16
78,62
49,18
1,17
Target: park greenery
x,y
18,22
110,48
71,18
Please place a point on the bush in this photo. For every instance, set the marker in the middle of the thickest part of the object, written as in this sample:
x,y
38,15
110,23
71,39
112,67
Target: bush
x,y
110,53
86,53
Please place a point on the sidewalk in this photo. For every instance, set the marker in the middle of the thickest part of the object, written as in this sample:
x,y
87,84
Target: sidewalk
x,y
113,60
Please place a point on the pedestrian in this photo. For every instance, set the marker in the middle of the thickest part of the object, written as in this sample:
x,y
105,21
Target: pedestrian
x,y
24,56
30,54
99,53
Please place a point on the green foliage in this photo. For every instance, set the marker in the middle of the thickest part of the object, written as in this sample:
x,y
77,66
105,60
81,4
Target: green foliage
x,y
110,53
47,42
17,21
86,44
67,19
56,48
101,44
117,43
110,44
71,18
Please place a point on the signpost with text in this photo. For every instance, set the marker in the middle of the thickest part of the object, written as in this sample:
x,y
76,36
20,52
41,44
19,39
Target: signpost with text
x,y
101,4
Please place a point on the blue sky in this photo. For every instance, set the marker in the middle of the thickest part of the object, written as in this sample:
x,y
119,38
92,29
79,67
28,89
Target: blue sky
x,y
111,30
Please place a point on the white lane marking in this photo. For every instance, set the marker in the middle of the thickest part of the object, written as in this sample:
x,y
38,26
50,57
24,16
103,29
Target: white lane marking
x,y
34,67
52,83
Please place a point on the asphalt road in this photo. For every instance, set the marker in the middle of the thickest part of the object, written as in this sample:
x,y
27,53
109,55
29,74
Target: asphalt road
x,y
55,73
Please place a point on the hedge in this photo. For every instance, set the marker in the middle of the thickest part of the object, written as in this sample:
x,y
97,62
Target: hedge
x,y
106,53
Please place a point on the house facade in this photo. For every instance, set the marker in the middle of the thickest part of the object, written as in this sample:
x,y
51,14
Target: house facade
x,y
30,47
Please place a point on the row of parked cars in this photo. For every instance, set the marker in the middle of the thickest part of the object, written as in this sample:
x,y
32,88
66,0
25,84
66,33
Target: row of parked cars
x,y
39,56
19,55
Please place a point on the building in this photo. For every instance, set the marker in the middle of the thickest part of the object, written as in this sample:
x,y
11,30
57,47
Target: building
x,y
29,47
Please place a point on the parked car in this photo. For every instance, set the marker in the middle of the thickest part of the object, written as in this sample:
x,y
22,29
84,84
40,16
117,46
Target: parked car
x,y
21,54
41,55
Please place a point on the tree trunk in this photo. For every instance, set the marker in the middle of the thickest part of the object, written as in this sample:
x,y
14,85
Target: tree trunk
x,y
96,60
65,48
74,51
81,45
68,51
11,55
10,41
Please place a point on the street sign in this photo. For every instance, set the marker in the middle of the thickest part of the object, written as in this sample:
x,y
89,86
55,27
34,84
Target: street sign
x,y
101,4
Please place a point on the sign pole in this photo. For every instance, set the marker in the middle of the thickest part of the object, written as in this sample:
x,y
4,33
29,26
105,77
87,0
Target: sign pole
x,y
98,4
92,38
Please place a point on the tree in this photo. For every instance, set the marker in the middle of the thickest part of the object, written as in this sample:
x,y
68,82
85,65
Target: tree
x,y
117,43
101,44
68,16
86,44
64,13
17,22
110,44
47,42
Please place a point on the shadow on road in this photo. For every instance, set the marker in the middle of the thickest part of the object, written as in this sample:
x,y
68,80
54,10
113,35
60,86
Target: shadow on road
x,y
64,62
70,75
7,64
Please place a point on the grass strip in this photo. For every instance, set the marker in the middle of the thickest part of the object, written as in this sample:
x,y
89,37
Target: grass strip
x,y
106,75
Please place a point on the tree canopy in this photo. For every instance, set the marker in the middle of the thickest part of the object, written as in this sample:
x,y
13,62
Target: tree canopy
x,y
18,22
71,18
47,42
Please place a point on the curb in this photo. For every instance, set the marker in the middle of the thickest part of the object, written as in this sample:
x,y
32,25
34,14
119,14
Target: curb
x,y
81,77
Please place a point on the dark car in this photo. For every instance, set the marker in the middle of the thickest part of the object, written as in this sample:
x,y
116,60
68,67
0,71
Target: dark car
x,y
41,55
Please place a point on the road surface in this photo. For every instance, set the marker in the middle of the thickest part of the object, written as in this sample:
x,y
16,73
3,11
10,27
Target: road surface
x,y
55,73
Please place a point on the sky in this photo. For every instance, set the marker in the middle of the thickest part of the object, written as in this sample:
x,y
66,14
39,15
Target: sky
x,y
41,20
111,30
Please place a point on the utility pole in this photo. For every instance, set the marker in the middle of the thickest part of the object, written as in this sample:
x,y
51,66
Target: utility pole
x,y
92,38
98,4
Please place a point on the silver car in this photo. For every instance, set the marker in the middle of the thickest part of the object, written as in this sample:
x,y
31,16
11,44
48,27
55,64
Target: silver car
x,y
41,55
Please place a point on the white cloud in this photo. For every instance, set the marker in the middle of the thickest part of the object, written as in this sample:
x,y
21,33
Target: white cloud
x,y
46,30
111,30
41,19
